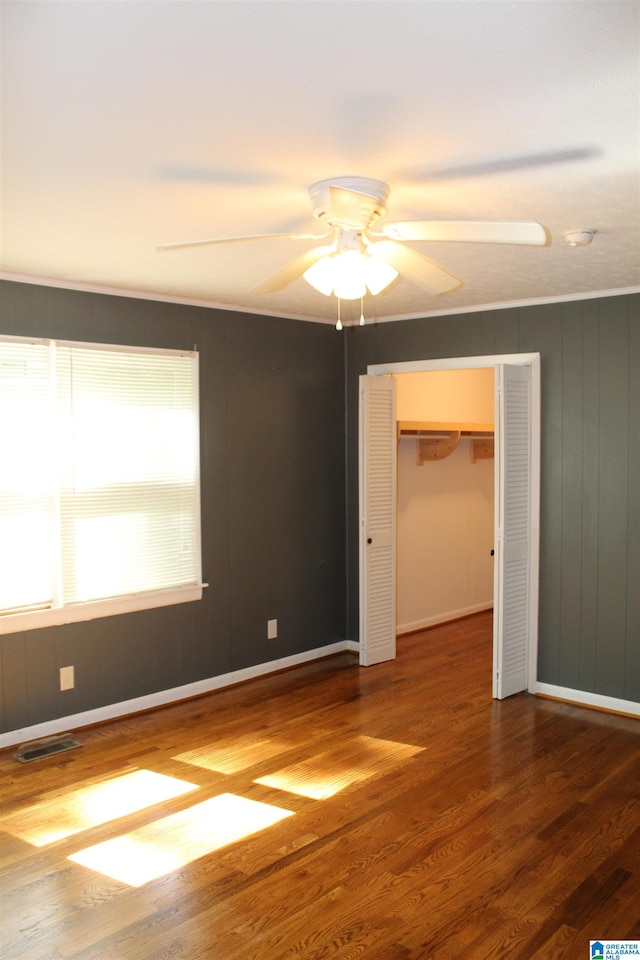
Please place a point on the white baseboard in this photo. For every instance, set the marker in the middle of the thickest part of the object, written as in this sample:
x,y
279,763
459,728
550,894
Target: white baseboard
x,y
162,698
585,699
443,618
114,710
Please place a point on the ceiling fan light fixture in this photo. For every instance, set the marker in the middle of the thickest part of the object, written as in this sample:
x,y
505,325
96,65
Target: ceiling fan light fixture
x,y
379,273
349,274
342,274
321,275
350,277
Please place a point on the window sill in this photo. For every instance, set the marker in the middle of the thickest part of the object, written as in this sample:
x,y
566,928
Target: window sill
x,y
78,612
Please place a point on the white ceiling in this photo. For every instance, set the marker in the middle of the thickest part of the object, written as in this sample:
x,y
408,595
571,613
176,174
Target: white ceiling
x,y
130,124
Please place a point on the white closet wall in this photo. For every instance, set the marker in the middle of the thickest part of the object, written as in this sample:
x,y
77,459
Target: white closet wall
x,y
445,507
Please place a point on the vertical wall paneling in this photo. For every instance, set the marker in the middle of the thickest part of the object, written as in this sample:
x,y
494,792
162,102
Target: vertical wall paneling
x,y
543,326
588,480
613,493
286,486
572,491
506,339
17,708
204,635
632,651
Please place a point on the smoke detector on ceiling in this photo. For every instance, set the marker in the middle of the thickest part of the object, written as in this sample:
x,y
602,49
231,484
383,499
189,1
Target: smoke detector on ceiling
x,y
579,238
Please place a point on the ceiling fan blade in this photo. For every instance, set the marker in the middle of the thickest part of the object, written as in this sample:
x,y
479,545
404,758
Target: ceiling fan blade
x,y
294,269
412,265
469,231
226,176
483,168
259,236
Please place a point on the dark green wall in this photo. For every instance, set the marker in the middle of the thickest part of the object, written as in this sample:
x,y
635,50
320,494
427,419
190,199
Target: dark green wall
x,y
273,517
589,635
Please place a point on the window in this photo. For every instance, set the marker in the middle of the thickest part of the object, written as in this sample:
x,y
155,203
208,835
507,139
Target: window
x,y
99,481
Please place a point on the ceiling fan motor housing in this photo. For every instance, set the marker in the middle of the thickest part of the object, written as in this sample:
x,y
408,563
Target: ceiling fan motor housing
x,y
349,203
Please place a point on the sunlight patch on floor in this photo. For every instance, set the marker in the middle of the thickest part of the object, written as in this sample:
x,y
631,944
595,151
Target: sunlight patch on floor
x,y
327,773
65,815
235,755
171,843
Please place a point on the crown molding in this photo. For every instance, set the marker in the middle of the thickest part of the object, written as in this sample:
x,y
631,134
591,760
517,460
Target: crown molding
x,y
212,305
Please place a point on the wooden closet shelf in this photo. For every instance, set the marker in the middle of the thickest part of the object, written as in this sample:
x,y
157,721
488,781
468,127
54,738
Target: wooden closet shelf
x,y
437,439
417,428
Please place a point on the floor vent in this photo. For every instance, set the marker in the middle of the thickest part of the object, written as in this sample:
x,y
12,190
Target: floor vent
x,y
39,749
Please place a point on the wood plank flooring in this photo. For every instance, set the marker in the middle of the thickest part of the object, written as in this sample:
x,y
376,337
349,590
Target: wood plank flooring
x,y
331,812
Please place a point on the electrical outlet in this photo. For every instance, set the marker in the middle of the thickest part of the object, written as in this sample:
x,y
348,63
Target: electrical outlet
x,y
67,678
272,629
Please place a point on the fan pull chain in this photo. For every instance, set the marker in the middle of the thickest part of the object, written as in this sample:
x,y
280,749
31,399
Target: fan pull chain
x,y
362,311
339,323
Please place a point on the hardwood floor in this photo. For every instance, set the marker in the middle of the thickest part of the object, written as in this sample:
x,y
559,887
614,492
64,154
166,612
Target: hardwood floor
x,y
394,812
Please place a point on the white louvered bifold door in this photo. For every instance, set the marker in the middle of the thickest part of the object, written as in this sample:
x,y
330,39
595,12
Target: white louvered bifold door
x,y
511,621
378,462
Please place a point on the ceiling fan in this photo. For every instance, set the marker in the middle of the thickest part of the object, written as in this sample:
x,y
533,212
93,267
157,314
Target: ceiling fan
x,y
357,258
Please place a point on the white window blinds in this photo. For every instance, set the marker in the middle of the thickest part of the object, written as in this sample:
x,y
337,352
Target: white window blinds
x,y
99,478
27,496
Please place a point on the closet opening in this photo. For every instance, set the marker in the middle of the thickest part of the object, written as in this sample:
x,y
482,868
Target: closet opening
x,y
515,401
